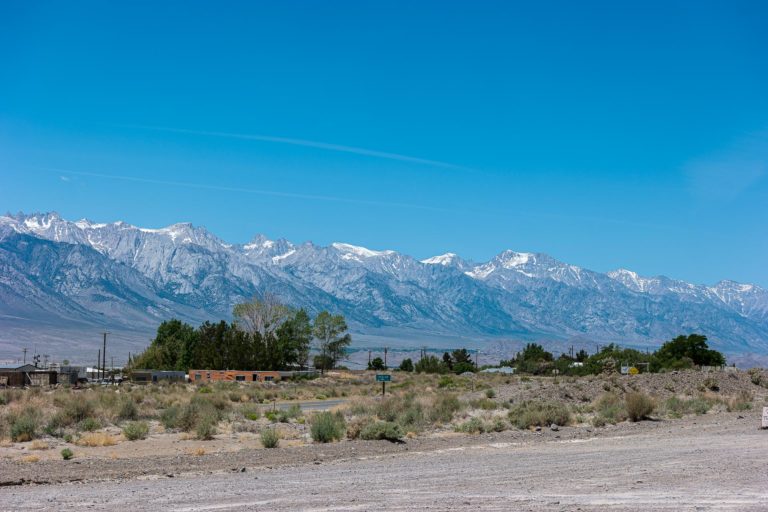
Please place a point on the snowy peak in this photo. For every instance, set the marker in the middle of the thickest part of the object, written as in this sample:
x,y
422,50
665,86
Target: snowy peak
x,y
259,243
512,259
262,249
354,252
631,280
446,259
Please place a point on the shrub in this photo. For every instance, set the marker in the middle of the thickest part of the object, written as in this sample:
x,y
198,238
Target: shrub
x,y
128,410
97,439
136,430
270,438
610,409
445,382
327,427
498,425
76,410
24,428
382,430
484,403
293,412
199,411
389,408
356,426
638,405
67,454
251,413
741,402
444,408
490,393
412,416
89,425
55,426
206,429
471,426
170,417
756,377
534,413
675,407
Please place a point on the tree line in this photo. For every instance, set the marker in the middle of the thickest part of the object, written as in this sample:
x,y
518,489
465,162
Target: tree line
x,y
264,335
679,353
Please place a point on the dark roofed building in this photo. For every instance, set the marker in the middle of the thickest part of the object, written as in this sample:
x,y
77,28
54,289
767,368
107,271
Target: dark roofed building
x,y
27,375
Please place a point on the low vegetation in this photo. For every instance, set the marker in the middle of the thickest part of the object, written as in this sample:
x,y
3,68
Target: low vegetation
x,y
539,414
136,430
416,403
270,438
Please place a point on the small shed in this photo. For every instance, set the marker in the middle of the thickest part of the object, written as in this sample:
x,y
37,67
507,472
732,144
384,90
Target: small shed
x,y
72,375
27,375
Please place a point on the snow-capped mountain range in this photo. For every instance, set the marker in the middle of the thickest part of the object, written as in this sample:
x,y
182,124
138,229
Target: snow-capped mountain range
x,y
55,272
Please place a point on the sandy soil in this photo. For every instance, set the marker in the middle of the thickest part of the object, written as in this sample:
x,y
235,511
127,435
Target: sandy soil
x,y
711,462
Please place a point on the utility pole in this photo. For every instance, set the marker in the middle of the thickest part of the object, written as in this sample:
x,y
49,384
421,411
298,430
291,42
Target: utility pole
x,y
98,362
385,356
25,354
477,351
369,359
104,356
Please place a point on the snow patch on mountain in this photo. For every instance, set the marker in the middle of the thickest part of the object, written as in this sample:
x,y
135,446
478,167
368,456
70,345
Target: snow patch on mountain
x,y
355,252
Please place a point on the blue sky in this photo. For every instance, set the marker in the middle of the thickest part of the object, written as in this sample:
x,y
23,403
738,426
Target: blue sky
x,y
606,134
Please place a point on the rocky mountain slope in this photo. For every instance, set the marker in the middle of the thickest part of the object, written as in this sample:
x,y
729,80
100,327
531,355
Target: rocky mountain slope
x,y
121,276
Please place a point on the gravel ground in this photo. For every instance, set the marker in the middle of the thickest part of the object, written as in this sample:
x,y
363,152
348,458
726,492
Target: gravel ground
x,y
711,462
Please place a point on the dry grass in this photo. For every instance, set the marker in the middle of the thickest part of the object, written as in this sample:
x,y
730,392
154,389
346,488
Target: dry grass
x,y
39,445
30,458
97,439
199,451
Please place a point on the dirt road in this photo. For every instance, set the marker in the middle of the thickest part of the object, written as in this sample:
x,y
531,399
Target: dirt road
x,y
709,465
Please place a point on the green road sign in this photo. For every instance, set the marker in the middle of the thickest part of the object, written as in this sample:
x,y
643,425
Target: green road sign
x,y
383,378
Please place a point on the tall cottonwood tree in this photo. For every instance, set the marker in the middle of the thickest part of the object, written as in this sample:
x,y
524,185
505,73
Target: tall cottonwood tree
x,y
330,331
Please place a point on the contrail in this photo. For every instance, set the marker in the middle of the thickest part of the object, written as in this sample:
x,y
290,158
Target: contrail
x,y
273,193
309,144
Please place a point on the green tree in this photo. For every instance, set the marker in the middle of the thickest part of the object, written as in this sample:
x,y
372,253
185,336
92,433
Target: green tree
x,y
406,365
685,351
431,364
462,361
293,340
377,364
533,359
330,331
448,361
171,349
